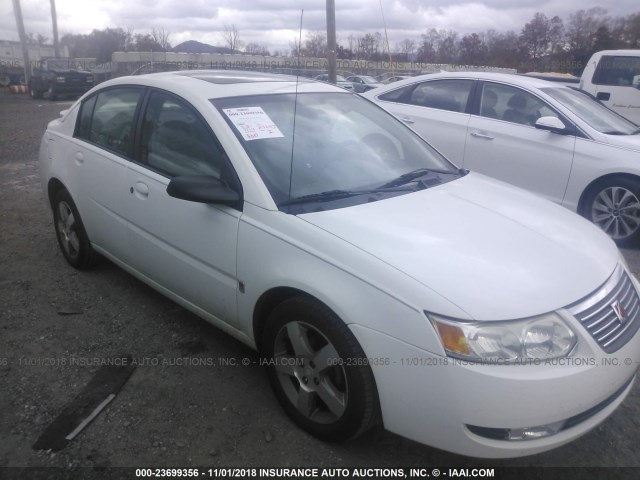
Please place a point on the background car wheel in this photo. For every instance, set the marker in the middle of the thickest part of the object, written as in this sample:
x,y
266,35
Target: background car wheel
x,y
614,205
318,370
70,232
52,94
35,93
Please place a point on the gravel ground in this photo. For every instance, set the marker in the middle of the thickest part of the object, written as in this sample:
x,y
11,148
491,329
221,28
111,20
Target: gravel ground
x,y
54,320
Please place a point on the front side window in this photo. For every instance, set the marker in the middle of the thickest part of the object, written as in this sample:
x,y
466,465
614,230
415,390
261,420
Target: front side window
x,y
511,104
618,71
341,144
175,141
106,119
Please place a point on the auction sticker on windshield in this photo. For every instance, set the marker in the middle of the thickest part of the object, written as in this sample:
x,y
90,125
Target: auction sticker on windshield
x,y
253,123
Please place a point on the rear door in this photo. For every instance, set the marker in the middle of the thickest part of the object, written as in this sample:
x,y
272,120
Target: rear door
x,y
437,110
103,146
185,247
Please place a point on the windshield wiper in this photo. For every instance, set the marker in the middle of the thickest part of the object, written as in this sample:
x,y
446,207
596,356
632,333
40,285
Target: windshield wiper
x,y
420,172
338,194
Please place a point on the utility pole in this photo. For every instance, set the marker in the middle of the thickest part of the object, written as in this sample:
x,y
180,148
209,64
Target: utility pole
x,y
54,20
331,40
23,40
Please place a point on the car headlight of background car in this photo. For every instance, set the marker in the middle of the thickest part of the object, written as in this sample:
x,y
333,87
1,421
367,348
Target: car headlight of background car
x,y
541,337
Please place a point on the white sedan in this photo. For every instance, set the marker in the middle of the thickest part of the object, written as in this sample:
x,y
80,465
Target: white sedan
x,y
547,138
383,285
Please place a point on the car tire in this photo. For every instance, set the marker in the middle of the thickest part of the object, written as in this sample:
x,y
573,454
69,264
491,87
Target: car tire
x,y
35,93
72,237
322,379
614,205
52,94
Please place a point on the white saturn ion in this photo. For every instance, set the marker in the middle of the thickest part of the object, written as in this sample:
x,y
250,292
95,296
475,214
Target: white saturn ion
x,y
383,285
551,139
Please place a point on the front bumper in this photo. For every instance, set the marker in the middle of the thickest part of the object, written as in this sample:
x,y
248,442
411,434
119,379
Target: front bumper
x,y
452,405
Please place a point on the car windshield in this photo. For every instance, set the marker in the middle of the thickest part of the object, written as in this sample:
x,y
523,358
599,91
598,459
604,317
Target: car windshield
x,y
343,145
595,114
367,79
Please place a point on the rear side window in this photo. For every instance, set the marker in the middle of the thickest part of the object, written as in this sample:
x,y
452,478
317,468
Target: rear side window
x,y
618,71
106,119
450,95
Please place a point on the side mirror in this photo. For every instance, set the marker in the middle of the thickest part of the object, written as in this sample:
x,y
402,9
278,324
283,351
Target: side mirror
x,y
202,189
551,124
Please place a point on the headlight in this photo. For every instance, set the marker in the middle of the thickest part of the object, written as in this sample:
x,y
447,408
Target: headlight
x,y
60,79
542,337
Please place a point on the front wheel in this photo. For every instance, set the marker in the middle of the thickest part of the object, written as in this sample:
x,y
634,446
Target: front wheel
x,y
72,237
614,205
318,370
52,94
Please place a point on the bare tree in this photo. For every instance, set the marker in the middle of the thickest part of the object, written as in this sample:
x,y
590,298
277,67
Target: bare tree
x,y
315,45
231,37
406,47
161,37
256,49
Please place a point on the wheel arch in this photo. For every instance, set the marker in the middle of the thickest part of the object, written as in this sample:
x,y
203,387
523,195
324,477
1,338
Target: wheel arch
x,y
267,302
595,183
53,187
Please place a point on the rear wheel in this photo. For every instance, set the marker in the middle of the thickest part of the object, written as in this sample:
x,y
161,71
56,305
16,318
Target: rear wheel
x,y
72,237
614,205
52,94
318,370
35,93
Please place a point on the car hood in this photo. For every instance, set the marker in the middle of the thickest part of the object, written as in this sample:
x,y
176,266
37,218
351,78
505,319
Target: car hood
x,y
495,251
625,141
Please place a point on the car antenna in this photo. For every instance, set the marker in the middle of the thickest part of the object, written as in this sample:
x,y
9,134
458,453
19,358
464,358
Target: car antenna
x,y
295,102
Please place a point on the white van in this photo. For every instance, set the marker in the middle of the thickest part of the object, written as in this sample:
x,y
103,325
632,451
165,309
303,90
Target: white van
x,y
613,77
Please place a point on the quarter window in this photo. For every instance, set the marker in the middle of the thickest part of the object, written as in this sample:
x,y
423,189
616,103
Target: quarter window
x,y
512,104
175,141
618,71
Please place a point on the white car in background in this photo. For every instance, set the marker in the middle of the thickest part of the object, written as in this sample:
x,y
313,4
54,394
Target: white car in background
x,y
550,139
363,83
383,285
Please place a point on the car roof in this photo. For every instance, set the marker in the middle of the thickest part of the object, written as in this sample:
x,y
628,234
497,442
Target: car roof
x,y
212,84
511,78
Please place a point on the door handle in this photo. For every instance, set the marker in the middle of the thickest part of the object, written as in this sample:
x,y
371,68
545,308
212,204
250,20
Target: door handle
x,y
482,135
603,96
407,120
141,190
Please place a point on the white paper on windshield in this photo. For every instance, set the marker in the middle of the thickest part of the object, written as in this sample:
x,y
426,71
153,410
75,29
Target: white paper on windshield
x,y
253,123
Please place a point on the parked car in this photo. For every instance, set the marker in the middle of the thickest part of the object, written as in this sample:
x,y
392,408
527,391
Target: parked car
x,y
395,78
363,83
381,284
340,80
550,139
613,77
58,77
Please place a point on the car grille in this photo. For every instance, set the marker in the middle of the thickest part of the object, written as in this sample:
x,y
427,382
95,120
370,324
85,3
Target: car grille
x,y
612,313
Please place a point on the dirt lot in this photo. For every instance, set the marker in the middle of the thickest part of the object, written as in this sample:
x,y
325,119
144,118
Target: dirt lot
x,y
53,318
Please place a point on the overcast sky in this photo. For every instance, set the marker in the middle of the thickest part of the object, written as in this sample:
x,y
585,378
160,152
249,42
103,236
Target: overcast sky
x,y
274,23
